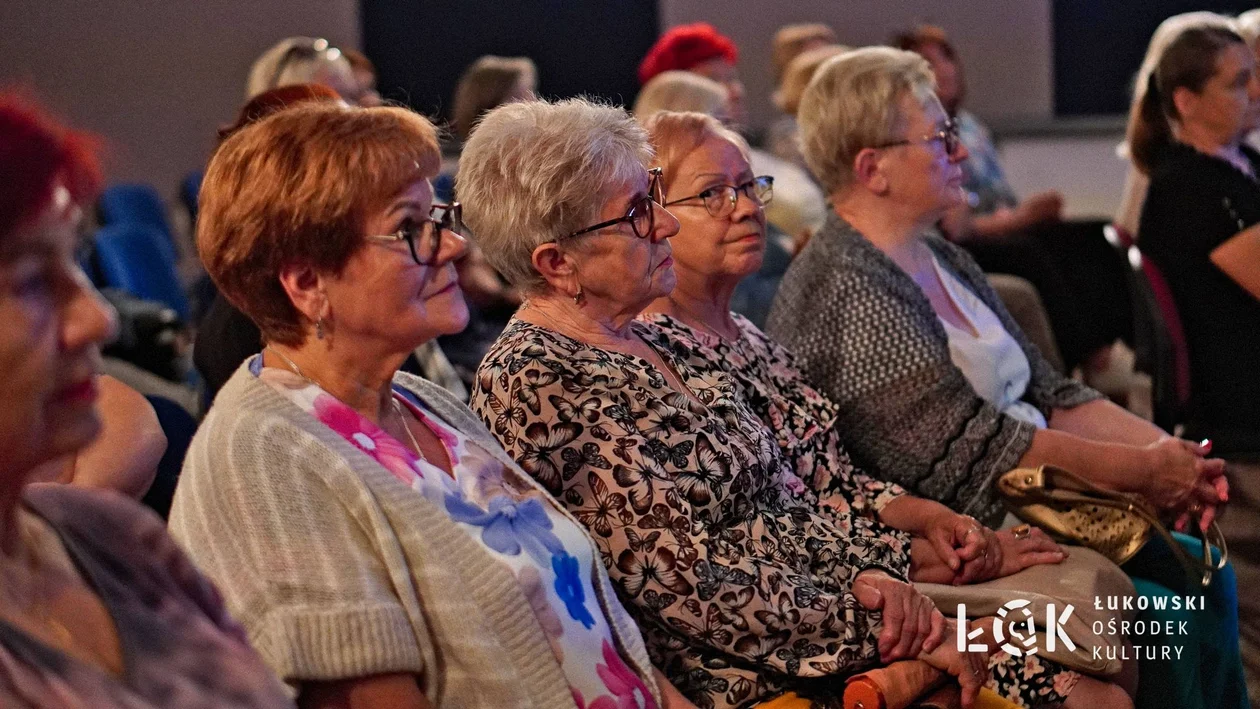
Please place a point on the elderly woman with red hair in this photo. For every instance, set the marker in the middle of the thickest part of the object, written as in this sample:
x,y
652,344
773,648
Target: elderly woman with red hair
x,y
98,607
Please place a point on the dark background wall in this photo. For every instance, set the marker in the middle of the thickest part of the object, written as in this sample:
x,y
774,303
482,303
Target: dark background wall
x,y
590,47
1099,44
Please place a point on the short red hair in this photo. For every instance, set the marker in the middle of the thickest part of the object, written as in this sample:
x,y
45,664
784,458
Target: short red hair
x,y
36,153
685,46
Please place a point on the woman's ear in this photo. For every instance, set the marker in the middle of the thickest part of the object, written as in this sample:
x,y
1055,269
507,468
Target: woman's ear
x,y
556,267
305,289
868,172
1185,101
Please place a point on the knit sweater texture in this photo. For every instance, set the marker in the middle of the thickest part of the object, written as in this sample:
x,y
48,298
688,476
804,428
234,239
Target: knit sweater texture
x,y
869,339
339,570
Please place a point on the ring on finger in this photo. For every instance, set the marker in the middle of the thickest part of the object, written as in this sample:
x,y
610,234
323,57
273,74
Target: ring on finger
x,y
1021,531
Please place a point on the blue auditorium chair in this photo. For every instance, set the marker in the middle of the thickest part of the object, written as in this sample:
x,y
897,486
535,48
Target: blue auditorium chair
x,y
137,258
189,188
136,204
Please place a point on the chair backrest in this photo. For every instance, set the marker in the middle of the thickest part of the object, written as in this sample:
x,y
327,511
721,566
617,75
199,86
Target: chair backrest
x,y
136,204
189,188
1159,339
137,258
179,427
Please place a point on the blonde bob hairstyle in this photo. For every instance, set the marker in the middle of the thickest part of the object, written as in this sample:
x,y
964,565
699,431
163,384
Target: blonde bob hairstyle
x,y
486,83
535,171
675,135
790,41
798,73
299,60
681,91
297,188
853,103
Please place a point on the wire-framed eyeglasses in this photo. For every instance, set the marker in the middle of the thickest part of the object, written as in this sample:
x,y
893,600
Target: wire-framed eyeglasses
x,y
720,200
641,215
424,236
947,135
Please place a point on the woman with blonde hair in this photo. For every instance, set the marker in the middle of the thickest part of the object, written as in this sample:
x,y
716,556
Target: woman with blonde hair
x,y
675,90
303,60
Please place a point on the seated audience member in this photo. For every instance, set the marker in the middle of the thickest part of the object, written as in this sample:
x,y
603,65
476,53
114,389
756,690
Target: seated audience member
x,y
125,454
784,139
364,77
1199,225
791,41
98,607
699,516
486,83
1080,277
708,184
684,91
700,49
302,60
1136,182
404,559
936,387
228,337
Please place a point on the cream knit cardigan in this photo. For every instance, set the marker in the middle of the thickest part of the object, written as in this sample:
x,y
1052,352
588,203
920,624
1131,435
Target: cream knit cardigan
x,y
339,570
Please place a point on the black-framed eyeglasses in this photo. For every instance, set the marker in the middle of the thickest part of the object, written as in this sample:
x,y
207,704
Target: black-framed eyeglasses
x,y
641,215
424,236
948,136
304,50
719,200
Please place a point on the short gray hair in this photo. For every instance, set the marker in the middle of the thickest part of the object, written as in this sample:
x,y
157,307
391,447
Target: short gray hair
x,y
681,91
535,171
852,103
296,60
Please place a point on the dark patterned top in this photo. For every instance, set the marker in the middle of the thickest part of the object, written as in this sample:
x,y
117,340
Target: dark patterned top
x,y
179,646
868,338
741,588
802,419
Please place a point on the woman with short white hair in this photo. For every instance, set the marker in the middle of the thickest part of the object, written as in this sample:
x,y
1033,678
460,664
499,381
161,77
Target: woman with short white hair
x,y
938,389
742,588
682,91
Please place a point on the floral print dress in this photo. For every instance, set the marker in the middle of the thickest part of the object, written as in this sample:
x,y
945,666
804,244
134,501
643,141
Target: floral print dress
x,y
741,588
803,421
546,551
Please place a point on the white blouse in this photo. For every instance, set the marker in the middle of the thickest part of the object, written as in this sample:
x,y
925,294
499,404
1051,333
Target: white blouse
x,y
988,356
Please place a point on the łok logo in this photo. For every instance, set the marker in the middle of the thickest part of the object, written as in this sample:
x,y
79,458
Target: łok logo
x,y
1015,620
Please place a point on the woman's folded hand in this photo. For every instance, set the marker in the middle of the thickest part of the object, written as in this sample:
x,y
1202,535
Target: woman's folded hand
x,y
911,622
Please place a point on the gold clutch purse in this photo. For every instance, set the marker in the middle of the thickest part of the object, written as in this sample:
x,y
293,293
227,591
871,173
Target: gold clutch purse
x,y
1114,524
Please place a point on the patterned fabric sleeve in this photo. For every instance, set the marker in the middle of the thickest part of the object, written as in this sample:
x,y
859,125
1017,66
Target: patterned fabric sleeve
x,y
670,495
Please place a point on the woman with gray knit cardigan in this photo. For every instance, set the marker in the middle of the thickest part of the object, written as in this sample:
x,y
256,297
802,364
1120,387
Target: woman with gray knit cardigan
x,y
376,542
937,388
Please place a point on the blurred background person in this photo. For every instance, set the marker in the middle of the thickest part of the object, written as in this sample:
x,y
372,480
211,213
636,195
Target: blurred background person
x,y
302,60
1199,225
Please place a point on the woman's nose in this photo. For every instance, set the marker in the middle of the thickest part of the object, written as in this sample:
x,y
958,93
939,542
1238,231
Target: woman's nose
x,y
87,319
452,247
667,225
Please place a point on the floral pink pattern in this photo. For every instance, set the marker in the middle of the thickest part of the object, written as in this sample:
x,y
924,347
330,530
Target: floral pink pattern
x,y
367,437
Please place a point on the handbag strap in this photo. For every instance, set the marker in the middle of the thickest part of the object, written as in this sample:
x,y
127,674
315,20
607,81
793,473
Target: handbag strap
x,y
1133,505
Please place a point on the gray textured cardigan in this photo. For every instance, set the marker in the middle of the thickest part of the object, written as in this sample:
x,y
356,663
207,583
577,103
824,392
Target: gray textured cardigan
x,y
868,338
338,570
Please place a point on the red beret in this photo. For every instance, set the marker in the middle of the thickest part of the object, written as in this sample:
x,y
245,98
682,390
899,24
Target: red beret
x,y
685,46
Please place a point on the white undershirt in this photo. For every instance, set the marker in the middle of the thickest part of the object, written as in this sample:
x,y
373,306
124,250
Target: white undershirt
x,y
988,356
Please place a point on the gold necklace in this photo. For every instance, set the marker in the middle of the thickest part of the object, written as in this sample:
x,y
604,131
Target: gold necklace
x,y
402,418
